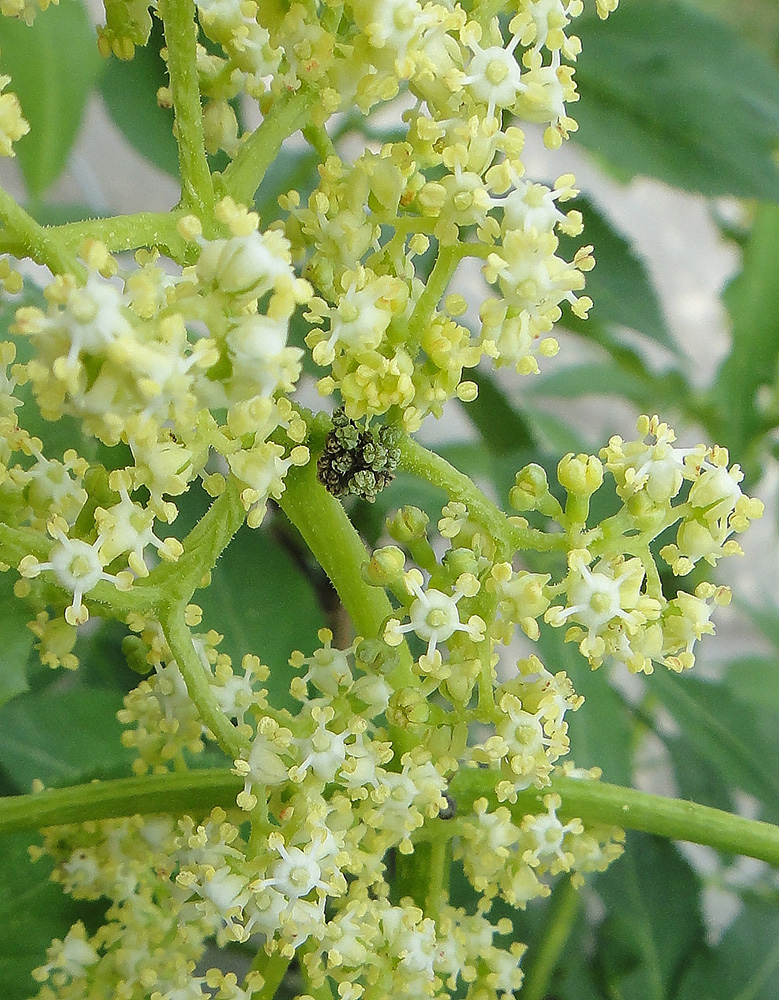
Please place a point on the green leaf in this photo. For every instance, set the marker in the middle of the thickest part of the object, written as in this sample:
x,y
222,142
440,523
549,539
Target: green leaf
x,y
752,300
63,737
619,284
745,964
53,67
726,734
129,90
261,602
653,924
601,731
670,92
33,911
573,381
502,428
15,641
755,681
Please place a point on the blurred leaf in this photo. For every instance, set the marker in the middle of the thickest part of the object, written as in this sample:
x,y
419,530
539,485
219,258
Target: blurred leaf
x,y
653,924
33,911
129,90
726,734
502,427
754,680
744,965
752,300
619,284
63,737
261,602
601,731
696,780
573,381
53,67
15,641
669,92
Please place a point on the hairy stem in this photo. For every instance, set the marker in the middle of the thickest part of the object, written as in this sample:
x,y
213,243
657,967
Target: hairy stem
x,y
340,551
197,188
34,240
244,175
196,678
438,472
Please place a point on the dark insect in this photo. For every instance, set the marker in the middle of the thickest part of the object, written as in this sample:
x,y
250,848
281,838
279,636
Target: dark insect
x,y
450,809
357,462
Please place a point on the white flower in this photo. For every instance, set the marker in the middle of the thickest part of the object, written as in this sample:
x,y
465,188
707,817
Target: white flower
x,y
433,615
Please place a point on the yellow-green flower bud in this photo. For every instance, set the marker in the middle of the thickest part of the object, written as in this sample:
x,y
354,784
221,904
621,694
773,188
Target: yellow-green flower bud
x,y
580,474
531,492
408,524
385,568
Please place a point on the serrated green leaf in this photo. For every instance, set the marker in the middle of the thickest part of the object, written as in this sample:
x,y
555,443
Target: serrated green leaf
x,y
573,381
501,426
33,911
670,92
129,90
696,780
653,922
53,66
62,737
619,284
752,300
744,965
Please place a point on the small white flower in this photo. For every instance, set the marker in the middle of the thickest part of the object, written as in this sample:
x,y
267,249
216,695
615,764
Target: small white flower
x,y
433,615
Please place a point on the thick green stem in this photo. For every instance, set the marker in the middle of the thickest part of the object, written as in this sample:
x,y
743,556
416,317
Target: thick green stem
x,y
197,188
193,792
202,546
591,801
272,968
198,687
436,285
340,551
544,954
437,471
35,241
612,805
244,175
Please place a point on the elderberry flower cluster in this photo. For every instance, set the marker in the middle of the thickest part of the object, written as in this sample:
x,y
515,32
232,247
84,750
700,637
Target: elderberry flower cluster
x,y
405,747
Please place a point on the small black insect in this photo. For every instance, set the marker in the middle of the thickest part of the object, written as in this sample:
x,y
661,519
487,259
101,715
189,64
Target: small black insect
x,y
450,809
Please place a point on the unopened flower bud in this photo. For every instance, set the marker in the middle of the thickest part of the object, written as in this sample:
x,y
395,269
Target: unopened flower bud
x,y
580,474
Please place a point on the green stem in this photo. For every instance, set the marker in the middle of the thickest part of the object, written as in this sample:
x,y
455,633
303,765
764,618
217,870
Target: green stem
x,y
202,546
340,551
36,241
437,283
195,792
244,175
595,802
542,959
199,689
592,801
437,877
438,472
197,188
272,968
